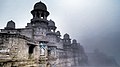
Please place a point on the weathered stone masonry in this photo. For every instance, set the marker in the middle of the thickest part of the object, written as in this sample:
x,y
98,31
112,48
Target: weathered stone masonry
x,y
39,44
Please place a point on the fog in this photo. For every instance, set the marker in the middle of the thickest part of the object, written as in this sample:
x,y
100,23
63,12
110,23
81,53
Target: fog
x,y
94,23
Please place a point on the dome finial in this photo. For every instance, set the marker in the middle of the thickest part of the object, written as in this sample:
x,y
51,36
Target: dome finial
x,y
41,1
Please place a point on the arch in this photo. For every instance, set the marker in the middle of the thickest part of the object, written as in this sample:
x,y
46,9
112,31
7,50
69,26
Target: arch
x,y
48,64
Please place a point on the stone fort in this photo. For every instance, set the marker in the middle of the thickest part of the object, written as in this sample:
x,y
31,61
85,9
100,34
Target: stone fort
x,y
39,44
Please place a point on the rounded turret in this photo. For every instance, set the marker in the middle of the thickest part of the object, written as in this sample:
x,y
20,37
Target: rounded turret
x,y
66,36
74,41
51,23
10,25
40,11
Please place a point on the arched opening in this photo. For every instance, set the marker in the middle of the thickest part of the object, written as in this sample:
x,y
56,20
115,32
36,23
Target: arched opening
x,y
42,15
31,51
42,49
52,30
38,15
48,65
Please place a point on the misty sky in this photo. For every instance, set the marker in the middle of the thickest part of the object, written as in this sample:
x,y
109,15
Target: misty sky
x,y
94,23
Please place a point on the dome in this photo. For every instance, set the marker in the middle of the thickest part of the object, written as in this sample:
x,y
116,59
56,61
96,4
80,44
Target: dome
x,y
10,25
74,41
58,33
66,36
40,6
51,23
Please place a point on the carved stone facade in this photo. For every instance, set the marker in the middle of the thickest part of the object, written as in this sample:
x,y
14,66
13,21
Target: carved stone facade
x,y
39,44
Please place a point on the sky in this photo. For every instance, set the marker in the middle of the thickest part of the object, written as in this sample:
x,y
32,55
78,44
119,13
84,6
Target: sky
x,y
94,23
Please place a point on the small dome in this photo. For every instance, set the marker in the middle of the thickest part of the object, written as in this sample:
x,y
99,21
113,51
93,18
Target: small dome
x,y
66,36
74,41
40,6
51,23
58,33
10,25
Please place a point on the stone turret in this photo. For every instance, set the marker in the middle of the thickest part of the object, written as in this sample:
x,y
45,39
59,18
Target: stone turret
x,y
58,33
40,15
66,39
52,26
10,25
74,41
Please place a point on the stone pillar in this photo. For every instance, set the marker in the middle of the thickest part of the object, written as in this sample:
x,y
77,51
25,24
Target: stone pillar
x,y
45,16
35,15
40,14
